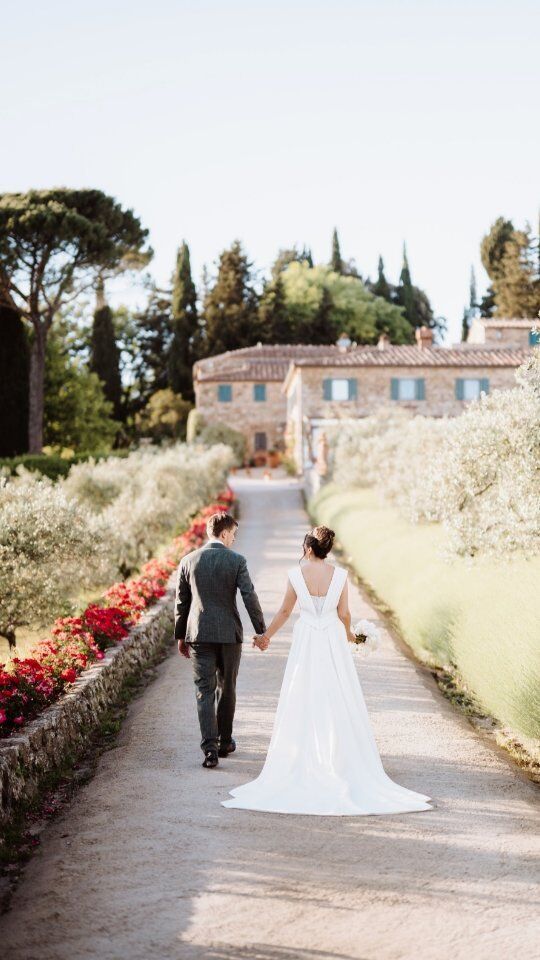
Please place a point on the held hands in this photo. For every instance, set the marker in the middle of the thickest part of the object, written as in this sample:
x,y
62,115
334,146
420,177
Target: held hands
x,y
261,641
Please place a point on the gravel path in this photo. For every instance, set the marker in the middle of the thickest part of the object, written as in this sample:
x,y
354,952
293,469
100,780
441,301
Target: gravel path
x,y
146,865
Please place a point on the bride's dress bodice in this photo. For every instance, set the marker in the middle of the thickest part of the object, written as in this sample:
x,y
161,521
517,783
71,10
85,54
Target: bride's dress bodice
x,y
320,613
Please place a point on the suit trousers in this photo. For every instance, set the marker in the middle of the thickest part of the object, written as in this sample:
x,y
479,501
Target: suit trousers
x,y
215,668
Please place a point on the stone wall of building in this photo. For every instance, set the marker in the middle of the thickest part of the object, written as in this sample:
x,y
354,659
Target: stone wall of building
x,y
246,414
373,387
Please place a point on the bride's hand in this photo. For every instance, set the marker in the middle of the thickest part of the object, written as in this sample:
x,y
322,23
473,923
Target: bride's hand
x,y
261,641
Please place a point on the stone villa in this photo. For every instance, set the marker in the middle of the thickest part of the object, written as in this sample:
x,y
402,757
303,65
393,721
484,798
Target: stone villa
x,y
294,391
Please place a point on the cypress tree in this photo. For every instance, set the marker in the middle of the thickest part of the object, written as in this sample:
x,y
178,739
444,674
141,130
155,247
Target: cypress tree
x,y
472,310
230,307
322,327
406,292
336,263
105,354
381,288
274,318
185,344
14,383
307,256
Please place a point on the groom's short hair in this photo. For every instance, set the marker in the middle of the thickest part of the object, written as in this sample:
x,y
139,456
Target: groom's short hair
x,y
218,522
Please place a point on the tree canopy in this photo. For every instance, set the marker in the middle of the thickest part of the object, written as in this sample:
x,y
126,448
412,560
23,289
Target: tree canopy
x,y
352,308
53,243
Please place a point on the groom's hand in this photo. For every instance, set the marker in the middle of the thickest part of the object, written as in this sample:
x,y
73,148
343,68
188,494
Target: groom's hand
x,y
261,641
183,648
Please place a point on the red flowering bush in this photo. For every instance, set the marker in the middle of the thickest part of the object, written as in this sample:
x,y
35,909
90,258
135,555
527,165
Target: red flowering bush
x,y
108,625
30,685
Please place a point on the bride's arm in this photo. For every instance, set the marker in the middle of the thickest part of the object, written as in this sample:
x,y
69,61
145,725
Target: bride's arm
x,y
284,612
343,611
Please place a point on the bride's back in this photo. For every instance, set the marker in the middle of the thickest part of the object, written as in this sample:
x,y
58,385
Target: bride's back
x,y
317,577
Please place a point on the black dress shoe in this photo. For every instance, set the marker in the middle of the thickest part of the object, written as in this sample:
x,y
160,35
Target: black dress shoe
x,y
210,759
226,748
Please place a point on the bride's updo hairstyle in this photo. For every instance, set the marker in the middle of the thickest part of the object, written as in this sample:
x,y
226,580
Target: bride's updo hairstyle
x,y
320,540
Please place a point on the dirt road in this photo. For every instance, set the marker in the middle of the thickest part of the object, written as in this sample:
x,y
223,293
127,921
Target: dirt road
x,y
147,865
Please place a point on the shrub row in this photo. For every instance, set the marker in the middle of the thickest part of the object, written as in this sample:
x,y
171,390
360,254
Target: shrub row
x,y
29,685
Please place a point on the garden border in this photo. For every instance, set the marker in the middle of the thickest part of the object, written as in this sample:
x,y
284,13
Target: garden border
x,y
63,728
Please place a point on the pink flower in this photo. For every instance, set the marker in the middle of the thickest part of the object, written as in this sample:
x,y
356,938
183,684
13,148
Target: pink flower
x,y
18,720
3,716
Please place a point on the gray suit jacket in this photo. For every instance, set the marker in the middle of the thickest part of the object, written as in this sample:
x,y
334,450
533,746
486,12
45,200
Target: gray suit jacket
x,y
206,610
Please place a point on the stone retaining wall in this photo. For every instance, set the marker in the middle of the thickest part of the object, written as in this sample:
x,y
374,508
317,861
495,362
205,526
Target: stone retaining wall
x,y
62,730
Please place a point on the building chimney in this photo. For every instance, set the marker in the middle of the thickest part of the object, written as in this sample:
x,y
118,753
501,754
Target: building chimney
x,y
343,343
383,341
424,337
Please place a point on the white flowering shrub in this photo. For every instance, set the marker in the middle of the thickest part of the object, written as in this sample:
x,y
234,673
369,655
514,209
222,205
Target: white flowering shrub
x,y
478,473
103,520
49,546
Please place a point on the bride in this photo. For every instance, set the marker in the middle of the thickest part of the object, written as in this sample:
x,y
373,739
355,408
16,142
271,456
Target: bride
x,y
322,758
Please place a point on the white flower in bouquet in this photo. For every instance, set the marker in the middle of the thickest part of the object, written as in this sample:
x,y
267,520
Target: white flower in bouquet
x,y
366,636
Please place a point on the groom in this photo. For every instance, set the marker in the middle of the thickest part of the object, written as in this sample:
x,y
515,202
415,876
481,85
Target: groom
x,y
209,630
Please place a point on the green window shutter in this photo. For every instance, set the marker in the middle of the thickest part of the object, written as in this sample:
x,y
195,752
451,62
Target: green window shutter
x,y
459,388
394,388
224,392
484,384
327,389
259,391
420,388
353,388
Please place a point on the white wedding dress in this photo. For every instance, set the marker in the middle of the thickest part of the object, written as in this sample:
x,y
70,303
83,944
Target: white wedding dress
x,y
323,758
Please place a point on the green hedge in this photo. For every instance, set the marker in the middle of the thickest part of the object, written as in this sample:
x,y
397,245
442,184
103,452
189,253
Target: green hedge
x,y
482,618
53,466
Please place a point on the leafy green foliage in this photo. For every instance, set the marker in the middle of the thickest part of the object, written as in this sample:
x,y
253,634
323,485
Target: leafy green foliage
x,y
76,413
164,417
218,433
347,307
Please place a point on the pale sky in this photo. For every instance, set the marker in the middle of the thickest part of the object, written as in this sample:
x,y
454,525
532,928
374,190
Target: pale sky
x,y
273,122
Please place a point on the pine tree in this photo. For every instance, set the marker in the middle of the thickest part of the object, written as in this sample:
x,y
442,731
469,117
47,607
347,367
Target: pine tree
x,y
14,383
517,284
104,353
230,307
289,255
487,303
381,288
274,318
153,347
493,246
336,263
185,344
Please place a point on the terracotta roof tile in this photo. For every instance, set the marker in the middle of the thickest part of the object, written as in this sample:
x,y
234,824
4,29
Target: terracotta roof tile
x,y
409,356
271,362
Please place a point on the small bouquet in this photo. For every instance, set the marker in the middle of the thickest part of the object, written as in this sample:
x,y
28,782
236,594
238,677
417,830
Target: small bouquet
x,y
366,636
